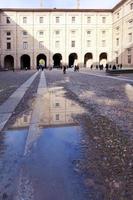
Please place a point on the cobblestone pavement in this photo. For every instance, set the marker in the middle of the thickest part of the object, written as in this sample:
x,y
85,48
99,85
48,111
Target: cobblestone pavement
x,y
108,97
106,141
10,81
108,132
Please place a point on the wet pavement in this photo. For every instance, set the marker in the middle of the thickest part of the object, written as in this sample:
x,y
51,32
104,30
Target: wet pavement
x,y
70,139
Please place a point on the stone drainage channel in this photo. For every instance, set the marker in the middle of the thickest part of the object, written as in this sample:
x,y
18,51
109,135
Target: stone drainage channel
x,y
45,168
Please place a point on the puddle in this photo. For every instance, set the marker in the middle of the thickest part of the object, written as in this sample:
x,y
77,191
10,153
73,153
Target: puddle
x,y
50,169
11,151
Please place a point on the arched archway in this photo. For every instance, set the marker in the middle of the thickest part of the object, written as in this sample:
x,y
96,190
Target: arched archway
x,y
42,59
25,61
103,59
88,59
72,60
9,62
57,60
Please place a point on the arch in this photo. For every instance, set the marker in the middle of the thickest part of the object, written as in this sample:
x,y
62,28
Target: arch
x,y
57,60
9,62
41,59
103,59
88,59
72,60
25,61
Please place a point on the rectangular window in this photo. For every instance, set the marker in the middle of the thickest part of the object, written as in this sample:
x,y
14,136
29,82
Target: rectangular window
x,y
57,44
129,51
57,105
41,33
25,33
117,41
8,33
89,33
73,19
72,43
103,33
8,45
57,117
88,43
41,20
103,43
57,19
118,15
129,37
25,45
57,32
73,32
88,20
24,20
8,38
103,20
8,20
41,45
129,59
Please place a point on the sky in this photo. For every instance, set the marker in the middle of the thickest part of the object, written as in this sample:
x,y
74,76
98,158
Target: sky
x,y
58,3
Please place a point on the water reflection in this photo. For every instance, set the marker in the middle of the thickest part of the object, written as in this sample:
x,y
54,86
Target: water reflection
x,y
56,109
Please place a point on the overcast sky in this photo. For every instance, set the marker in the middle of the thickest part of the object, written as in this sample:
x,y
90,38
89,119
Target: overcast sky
x,y
58,3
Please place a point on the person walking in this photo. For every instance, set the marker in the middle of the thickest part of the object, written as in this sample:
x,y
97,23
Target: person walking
x,y
64,69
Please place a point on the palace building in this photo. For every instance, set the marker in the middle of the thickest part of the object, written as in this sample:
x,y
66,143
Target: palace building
x,y
66,36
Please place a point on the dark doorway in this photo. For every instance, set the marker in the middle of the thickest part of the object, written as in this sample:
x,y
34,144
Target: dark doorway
x,y
9,62
25,62
103,59
57,60
72,58
42,59
88,59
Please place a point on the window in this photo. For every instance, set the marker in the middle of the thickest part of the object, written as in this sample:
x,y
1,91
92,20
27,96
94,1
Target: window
x,y
117,58
41,45
89,33
41,20
73,19
57,32
57,19
8,45
25,33
57,105
103,43
129,37
117,28
117,41
25,45
129,59
8,33
118,15
41,33
73,32
103,33
131,6
130,22
88,20
8,20
24,20
8,38
57,44
57,116
88,43
72,43
103,20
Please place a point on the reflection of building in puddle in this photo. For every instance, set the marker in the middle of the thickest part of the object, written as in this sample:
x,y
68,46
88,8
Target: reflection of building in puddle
x,y
22,121
57,109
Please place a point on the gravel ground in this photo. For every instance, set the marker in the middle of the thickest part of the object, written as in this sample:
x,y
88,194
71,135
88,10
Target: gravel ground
x,y
10,81
108,130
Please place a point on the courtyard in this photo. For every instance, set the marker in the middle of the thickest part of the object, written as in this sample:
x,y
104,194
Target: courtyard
x,y
66,136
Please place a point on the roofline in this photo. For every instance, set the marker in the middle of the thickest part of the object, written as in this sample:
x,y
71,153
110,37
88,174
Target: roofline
x,y
118,5
63,9
54,10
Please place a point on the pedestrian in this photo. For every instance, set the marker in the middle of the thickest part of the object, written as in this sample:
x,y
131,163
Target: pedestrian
x,y
120,66
64,69
13,69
